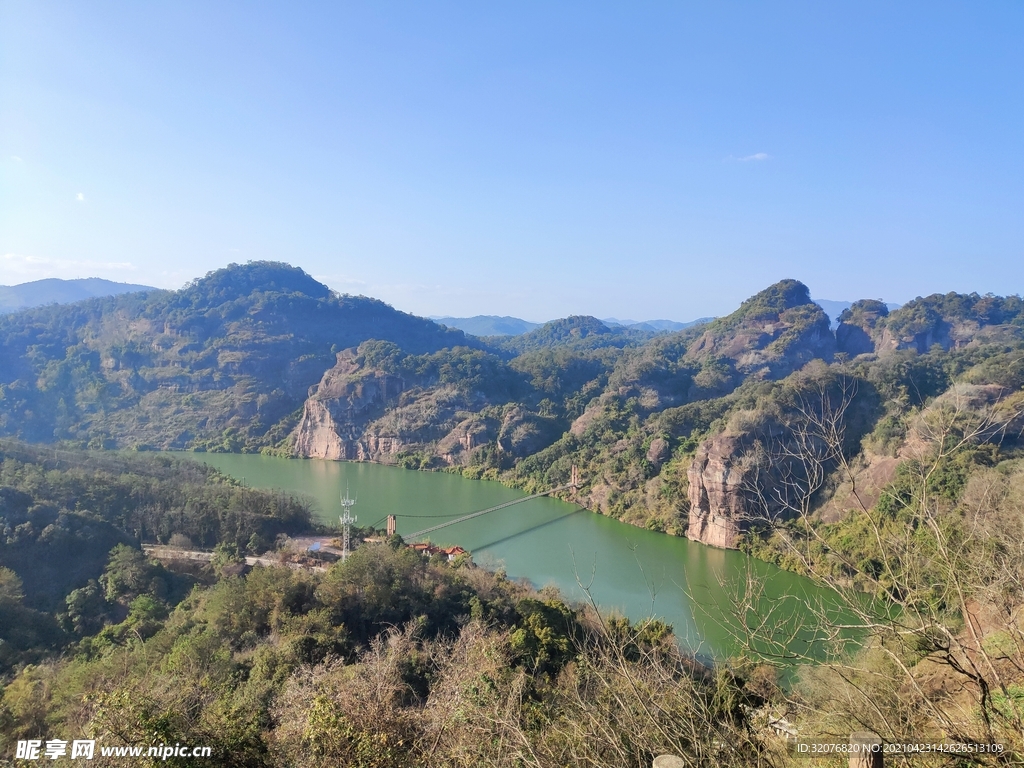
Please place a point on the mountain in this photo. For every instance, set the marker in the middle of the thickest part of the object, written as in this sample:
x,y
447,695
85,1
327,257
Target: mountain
x,y
225,363
488,325
835,308
492,325
656,325
54,291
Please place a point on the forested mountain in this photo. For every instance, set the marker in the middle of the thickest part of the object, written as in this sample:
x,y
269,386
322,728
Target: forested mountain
x,y
492,325
226,361
655,325
488,325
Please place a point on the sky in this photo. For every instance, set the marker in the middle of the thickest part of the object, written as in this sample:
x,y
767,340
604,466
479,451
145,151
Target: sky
x,y
536,159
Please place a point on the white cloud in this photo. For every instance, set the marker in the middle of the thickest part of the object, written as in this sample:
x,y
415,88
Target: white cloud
x,y
16,159
80,197
756,158
18,267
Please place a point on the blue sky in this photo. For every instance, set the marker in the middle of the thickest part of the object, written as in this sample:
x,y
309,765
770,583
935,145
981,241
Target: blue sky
x,y
535,159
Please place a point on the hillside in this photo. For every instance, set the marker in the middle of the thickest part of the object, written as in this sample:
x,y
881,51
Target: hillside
x,y
53,291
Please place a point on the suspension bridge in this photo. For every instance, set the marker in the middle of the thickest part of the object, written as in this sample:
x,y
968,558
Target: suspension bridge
x,y
571,485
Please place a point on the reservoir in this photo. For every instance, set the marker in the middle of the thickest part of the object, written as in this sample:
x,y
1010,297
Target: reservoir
x,y
627,570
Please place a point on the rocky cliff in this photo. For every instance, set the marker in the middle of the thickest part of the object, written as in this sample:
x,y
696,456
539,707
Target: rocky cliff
x,y
947,321
719,507
339,408
360,412
755,478
772,334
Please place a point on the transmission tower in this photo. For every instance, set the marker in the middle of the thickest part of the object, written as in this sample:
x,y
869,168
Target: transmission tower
x,y
346,521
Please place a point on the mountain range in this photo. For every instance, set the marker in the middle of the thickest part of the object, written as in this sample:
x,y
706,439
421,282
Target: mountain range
x,y
493,325
665,427
56,291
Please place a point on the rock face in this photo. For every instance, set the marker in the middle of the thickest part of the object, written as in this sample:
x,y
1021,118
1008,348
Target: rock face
x,y
758,476
335,416
359,413
718,500
950,321
948,335
857,325
771,335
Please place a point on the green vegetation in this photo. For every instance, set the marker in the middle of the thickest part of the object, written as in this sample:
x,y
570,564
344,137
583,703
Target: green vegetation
x,y
71,524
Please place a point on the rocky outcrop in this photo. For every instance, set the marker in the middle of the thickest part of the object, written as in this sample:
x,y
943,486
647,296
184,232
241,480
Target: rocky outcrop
x,y
523,432
945,334
856,330
949,321
456,447
771,335
719,507
764,469
358,413
338,410
658,451
744,480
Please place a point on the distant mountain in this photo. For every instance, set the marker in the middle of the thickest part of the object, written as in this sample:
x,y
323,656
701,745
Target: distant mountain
x,y
488,325
655,325
54,291
835,308
492,325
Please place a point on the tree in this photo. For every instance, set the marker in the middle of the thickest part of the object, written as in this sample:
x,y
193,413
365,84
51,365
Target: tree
x,y
10,586
129,573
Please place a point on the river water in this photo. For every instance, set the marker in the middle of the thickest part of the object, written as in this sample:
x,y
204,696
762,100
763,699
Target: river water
x,y
627,570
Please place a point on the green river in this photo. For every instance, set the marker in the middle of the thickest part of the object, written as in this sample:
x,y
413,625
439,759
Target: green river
x,y
628,570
